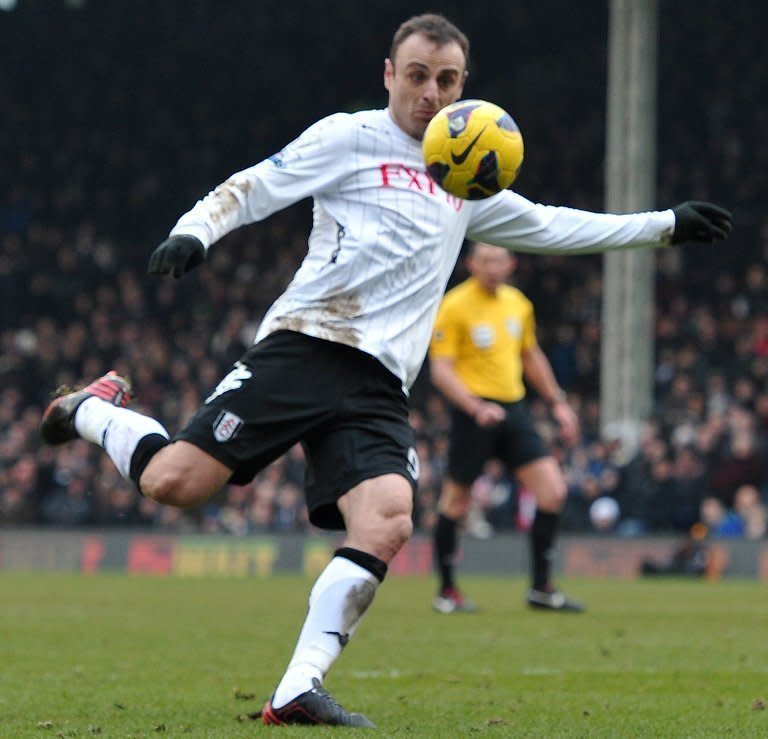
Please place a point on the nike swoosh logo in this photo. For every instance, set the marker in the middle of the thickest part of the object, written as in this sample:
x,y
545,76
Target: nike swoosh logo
x,y
459,158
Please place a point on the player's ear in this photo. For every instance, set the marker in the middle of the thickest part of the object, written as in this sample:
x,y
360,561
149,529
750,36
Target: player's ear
x,y
389,73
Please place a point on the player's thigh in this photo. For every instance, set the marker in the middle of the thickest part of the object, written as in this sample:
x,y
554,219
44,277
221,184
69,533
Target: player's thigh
x,y
368,438
182,474
266,403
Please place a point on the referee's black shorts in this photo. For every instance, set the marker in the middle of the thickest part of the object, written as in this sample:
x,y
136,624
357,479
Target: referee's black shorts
x,y
348,411
515,441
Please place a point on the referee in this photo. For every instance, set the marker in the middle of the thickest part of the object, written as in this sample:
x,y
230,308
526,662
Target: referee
x,y
483,345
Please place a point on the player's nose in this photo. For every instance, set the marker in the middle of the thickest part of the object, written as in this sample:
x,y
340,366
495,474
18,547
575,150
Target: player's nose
x,y
431,91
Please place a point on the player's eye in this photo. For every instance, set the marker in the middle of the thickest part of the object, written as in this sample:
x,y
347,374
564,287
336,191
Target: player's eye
x,y
417,77
446,80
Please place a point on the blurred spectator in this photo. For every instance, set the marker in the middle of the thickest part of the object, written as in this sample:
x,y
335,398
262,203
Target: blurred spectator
x,y
690,558
720,521
69,505
752,511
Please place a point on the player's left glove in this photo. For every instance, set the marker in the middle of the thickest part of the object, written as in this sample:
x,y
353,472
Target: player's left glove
x,y
176,255
699,221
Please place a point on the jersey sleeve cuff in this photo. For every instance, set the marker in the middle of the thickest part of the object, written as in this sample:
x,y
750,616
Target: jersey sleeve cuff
x,y
665,219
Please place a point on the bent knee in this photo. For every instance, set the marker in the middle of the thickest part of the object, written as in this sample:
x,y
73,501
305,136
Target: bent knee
x,y
400,529
161,484
382,536
383,531
399,518
172,486
394,519
182,475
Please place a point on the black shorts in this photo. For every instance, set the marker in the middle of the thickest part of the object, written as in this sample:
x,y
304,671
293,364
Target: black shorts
x,y
514,441
348,411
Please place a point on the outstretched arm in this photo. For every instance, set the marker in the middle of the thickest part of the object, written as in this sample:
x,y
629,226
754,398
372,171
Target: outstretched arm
x,y
512,221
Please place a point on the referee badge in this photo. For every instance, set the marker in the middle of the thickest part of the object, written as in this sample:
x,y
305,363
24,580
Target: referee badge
x,y
482,335
226,426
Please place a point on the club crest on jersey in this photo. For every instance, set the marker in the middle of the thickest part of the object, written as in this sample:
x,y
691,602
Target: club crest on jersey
x,y
226,426
234,380
483,335
278,159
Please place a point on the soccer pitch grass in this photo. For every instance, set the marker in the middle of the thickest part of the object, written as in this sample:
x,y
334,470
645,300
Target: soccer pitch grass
x,y
127,656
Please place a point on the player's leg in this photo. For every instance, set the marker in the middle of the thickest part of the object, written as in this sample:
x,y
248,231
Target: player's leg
x,y
97,413
183,475
240,427
377,516
258,411
544,478
362,471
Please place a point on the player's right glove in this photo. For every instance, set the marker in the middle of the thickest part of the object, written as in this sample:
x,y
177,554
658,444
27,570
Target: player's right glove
x,y
177,255
698,221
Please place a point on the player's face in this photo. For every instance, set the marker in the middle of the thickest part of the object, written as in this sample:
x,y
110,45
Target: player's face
x,y
490,265
421,79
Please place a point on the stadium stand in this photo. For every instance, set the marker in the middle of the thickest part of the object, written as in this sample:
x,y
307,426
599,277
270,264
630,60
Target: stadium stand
x,y
130,133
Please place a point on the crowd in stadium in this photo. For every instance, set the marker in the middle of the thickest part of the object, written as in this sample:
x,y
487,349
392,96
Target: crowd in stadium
x,y
99,170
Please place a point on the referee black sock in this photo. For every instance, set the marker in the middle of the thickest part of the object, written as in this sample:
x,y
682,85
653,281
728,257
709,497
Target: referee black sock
x,y
543,533
445,550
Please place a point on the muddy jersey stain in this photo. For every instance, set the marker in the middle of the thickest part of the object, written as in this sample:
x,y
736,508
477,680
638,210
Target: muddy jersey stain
x,y
327,318
225,199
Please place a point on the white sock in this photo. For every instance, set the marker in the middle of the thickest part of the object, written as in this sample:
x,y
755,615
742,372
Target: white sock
x,y
117,430
337,602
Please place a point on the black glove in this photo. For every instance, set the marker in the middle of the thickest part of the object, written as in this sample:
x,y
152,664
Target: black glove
x,y
176,255
697,221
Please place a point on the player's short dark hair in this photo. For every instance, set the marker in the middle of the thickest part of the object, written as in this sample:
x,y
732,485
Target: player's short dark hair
x,y
436,28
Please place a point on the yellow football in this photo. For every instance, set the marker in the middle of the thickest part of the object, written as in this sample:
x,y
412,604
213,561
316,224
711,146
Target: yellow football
x,y
473,149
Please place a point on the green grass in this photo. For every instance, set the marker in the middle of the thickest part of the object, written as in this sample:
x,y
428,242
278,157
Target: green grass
x,y
122,656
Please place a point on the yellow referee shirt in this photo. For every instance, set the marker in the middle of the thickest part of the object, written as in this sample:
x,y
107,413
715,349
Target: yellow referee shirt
x,y
485,335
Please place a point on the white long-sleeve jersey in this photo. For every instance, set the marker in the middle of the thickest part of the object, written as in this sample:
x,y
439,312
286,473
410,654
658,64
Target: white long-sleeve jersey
x,y
385,237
